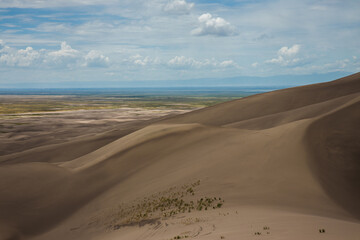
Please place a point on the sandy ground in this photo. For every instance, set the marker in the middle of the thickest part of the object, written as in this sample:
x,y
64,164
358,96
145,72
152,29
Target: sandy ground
x,y
30,130
279,165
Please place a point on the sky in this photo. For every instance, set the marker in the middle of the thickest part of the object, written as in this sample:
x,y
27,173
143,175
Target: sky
x,y
97,42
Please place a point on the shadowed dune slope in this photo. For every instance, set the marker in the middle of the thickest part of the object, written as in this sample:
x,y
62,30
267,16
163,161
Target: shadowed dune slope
x,y
335,142
295,149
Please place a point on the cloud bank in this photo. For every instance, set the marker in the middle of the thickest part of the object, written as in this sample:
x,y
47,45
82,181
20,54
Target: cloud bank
x,y
66,56
183,62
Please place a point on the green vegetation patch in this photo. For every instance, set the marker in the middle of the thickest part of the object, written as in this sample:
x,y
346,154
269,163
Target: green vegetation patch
x,y
163,205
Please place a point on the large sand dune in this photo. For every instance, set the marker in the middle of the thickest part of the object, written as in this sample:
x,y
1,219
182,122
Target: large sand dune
x,y
285,162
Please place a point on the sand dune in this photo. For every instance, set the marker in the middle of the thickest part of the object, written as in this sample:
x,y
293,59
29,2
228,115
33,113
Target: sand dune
x,y
74,148
334,141
285,162
272,103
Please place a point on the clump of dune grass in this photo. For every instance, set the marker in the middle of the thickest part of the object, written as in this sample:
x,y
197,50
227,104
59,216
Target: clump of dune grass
x,y
162,205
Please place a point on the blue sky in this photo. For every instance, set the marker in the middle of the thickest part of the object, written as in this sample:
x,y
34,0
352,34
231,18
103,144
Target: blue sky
x,y
114,41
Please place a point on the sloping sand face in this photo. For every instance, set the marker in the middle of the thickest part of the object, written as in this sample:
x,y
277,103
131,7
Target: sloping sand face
x,y
334,142
280,165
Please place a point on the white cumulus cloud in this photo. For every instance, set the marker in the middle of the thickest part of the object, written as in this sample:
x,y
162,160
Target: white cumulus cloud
x,y
96,59
286,51
182,61
142,61
65,51
286,56
66,56
178,7
18,57
217,26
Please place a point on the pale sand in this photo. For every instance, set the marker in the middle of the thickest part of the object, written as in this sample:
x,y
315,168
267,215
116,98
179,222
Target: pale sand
x,y
287,160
